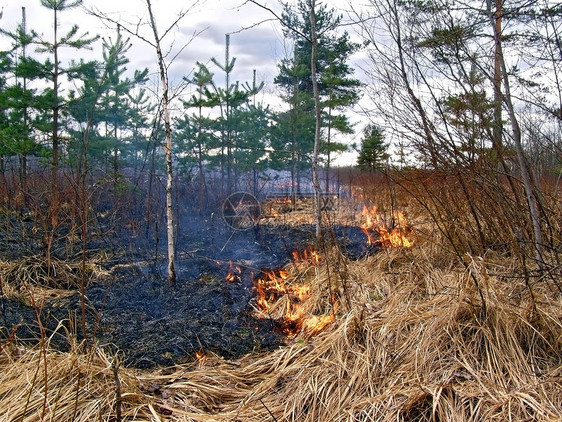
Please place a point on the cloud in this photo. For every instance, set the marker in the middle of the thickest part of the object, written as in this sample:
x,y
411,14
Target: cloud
x,y
256,40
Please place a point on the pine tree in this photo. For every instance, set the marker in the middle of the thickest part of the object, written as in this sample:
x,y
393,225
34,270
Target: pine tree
x,y
19,102
70,39
293,139
115,107
52,71
320,60
230,97
194,131
373,153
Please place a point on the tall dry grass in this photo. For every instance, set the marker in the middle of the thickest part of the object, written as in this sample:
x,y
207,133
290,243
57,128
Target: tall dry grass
x,y
415,345
434,333
38,385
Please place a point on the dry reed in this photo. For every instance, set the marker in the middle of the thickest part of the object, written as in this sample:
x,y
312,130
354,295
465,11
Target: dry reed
x,y
416,345
80,386
422,337
34,271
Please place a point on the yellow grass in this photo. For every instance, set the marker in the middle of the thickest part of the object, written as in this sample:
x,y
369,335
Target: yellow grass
x,y
73,386
412,341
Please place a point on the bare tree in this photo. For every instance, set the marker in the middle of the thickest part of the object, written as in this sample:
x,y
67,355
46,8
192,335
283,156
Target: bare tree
x,y
167,149
495,14
318,118
165,101
442,84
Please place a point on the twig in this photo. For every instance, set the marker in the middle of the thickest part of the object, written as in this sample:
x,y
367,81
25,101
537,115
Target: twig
x,y
118,401
268,411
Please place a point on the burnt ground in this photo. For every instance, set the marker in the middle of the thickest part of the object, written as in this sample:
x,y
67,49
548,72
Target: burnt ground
x,y
135,311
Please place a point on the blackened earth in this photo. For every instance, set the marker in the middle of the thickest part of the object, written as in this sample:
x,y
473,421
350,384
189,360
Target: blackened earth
x,y
137,313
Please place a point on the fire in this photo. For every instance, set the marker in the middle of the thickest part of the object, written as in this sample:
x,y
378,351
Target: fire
x,y
201,357
233,273
315,324
270,287
297,320
377,231
285,200
275,294
306,255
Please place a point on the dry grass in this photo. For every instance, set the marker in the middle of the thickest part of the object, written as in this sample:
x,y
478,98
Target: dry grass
x,y
414,346
75,386
412,342
33,276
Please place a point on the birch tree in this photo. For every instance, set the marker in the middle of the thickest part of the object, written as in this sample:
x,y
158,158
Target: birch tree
x,y
318,117
167,148
165,100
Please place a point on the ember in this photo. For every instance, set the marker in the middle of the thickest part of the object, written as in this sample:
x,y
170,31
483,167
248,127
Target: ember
x,y
308,254
201,357
378,232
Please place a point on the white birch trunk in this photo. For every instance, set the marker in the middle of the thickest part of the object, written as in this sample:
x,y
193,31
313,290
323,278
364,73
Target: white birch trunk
x,y
168,151
317,111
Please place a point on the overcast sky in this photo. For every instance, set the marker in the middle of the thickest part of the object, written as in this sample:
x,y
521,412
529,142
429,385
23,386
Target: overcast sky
x,y
259,47
256,40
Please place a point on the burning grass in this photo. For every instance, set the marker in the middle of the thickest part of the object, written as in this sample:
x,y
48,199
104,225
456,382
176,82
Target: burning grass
x,y
294,298
414,335
415,345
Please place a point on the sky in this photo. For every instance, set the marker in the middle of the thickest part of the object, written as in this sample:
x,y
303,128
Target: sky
x,y
257,48
256,40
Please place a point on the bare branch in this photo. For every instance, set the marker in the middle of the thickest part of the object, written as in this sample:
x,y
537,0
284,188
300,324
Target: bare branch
x,y
181,15
254,25
279,19
105,18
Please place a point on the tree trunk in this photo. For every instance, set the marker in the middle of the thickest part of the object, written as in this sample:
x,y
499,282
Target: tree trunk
x,y
317,111
202,181
516,132
328,157
54,199
168,151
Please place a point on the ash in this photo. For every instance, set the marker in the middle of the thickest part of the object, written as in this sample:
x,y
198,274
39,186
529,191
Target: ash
x,y
136,313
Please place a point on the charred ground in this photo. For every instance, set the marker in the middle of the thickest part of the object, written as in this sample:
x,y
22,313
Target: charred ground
x,y
132,309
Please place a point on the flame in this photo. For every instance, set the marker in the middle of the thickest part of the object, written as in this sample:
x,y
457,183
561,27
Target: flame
x,y
302,292
269,287
308,254
298,321
274,285
394,237
233,273
201,357
315,324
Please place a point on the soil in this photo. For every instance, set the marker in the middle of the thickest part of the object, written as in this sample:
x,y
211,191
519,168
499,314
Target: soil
x,y
136,312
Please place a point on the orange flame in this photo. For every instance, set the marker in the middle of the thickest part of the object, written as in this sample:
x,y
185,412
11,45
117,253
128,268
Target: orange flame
x,y
273,285
308,254
201,357
396,236
231,277
315,324
284,200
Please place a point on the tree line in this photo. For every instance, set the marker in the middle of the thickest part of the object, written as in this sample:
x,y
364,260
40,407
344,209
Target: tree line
x,y
468,90
222,129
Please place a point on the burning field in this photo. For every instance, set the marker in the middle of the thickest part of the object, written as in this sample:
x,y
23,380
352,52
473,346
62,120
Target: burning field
x,y
238,291
375,323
